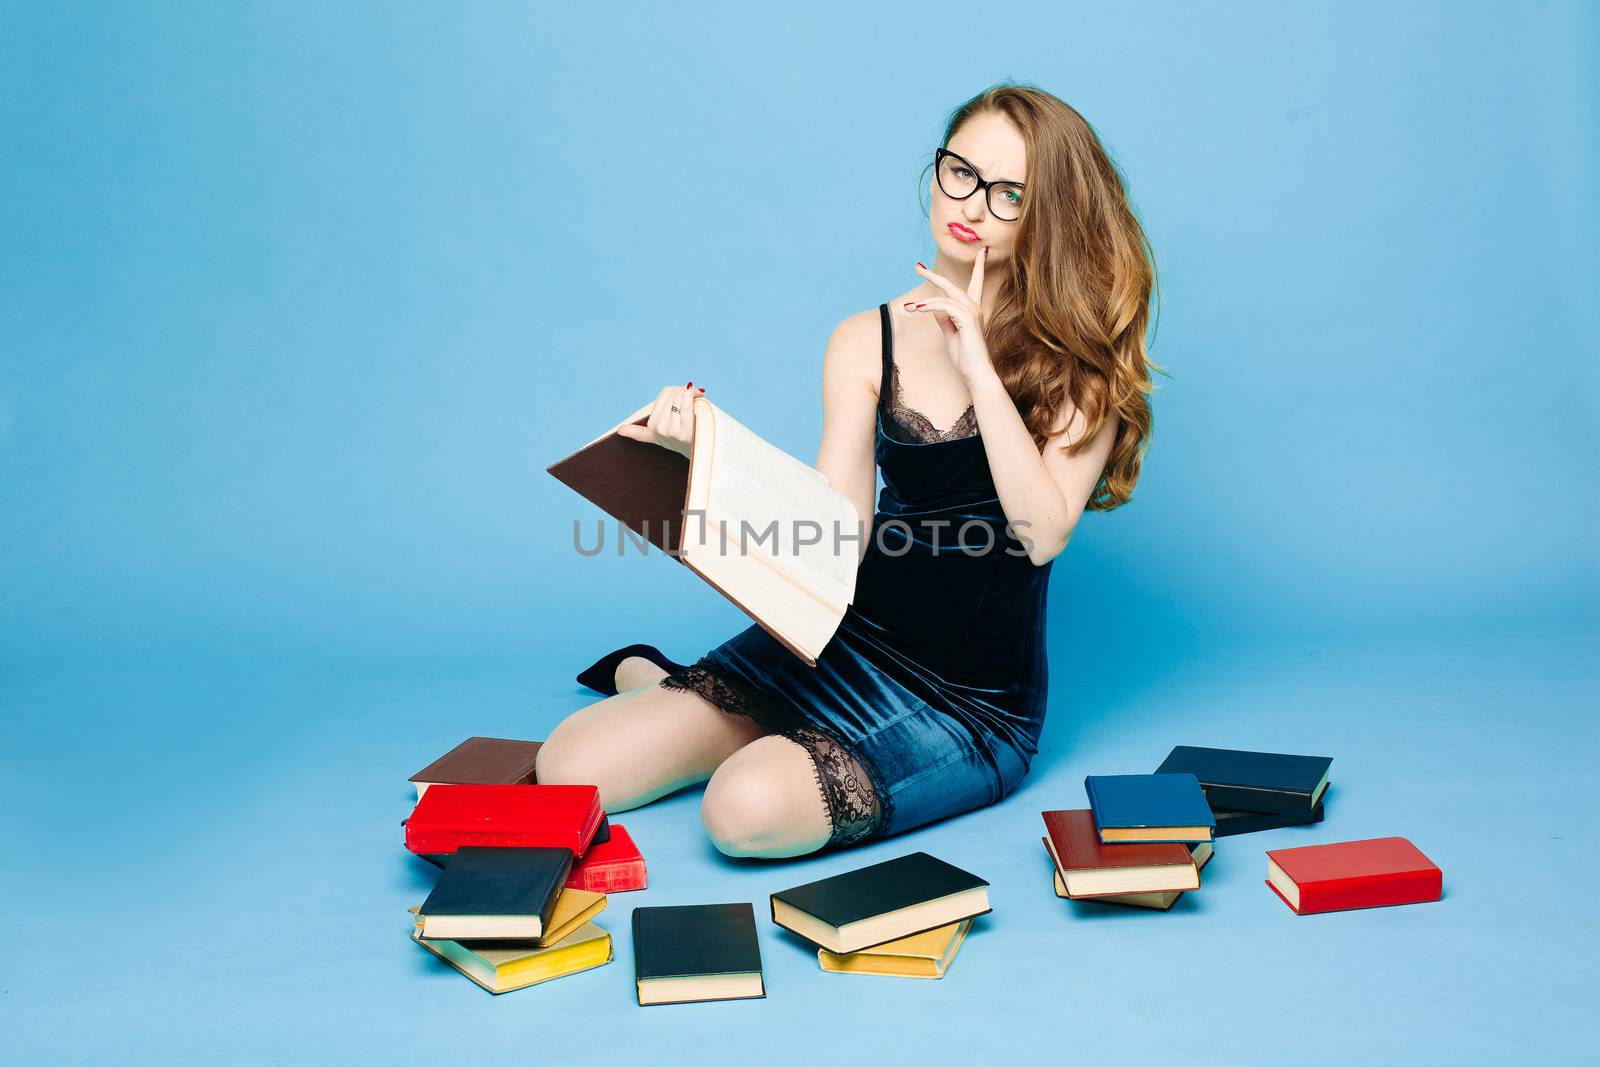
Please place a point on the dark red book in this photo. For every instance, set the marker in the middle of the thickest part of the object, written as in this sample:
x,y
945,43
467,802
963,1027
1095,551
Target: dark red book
x,y
507,816
614,866
1375,873
1090,869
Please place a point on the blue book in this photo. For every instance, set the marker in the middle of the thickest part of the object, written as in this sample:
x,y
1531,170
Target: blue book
x,y
1131,808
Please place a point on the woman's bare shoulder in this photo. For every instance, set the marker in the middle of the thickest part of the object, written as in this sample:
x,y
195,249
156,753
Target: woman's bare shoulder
x,y
856,346
858,330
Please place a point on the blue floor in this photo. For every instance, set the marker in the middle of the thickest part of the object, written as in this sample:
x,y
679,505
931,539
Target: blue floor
x,y
196,876
297,300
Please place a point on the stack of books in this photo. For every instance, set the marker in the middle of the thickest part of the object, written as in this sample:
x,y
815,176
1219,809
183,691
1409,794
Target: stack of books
x,y
525,867
1141,842
1145,837
904,917
1252,791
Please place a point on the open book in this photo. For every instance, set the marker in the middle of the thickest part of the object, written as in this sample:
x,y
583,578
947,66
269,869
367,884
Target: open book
x,y
764,529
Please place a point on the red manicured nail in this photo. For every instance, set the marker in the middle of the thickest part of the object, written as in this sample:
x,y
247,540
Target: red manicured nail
x,y
907,305
921,264
702,388
922,305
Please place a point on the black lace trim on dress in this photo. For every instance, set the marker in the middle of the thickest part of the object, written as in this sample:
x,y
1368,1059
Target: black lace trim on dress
x,y
856,810
917,426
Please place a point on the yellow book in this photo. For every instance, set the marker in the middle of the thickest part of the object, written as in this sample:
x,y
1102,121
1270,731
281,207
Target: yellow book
x,y
574,907
924,955
501,966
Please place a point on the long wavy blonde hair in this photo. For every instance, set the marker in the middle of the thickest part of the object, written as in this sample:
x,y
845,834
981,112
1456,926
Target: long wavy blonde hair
x,y
1069,327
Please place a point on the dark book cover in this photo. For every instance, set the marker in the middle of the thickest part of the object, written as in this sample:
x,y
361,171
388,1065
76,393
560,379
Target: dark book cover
x,y
642,486
1231,822
879,888
500,881
1135,801
693,940
483,761
1252,781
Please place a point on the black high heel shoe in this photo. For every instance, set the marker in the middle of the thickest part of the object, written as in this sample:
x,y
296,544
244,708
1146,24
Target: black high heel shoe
x,y
601,675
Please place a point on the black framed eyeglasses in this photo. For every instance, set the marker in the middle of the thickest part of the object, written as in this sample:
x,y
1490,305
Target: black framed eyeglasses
x,y
959,179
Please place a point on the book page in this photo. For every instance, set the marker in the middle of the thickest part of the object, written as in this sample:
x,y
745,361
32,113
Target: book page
x,y
774,502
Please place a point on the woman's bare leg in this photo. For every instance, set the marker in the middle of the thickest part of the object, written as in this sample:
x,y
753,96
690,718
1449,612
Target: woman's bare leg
x,y
636,672
762,798
764,801
642,744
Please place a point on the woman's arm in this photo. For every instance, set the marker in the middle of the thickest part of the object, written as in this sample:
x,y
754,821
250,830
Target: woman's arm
x,y
1042,493
850,374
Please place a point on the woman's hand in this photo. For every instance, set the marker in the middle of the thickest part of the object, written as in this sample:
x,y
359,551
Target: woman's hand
x,y
961,317
671,422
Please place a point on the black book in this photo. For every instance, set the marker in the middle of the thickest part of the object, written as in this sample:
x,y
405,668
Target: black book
x,y
1253,781
881,902
1231,822
495,894
694,952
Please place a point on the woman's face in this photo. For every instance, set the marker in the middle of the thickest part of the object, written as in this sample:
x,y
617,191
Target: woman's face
x,y
961,227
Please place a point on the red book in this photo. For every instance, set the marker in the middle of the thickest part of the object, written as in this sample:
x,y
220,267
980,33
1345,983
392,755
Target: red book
x,y
505,816
613,866
1353,874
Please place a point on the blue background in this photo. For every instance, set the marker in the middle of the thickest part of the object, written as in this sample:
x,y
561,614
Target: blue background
x,y
298,300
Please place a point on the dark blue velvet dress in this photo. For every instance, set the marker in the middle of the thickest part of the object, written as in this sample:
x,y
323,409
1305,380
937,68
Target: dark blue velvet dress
x,y
930,698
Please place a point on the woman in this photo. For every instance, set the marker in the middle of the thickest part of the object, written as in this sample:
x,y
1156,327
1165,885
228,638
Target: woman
x,y
1026,342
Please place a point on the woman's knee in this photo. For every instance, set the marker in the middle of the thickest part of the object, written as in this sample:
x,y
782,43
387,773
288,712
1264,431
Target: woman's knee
x,y
765,803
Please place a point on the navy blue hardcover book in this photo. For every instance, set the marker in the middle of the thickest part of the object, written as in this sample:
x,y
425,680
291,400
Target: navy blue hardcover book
x,y
1149,807
693,952
492,894
1253,781
1231,822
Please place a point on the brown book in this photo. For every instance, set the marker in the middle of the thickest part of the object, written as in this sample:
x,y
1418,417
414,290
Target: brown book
x,y
481,761
1091,869
762,528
